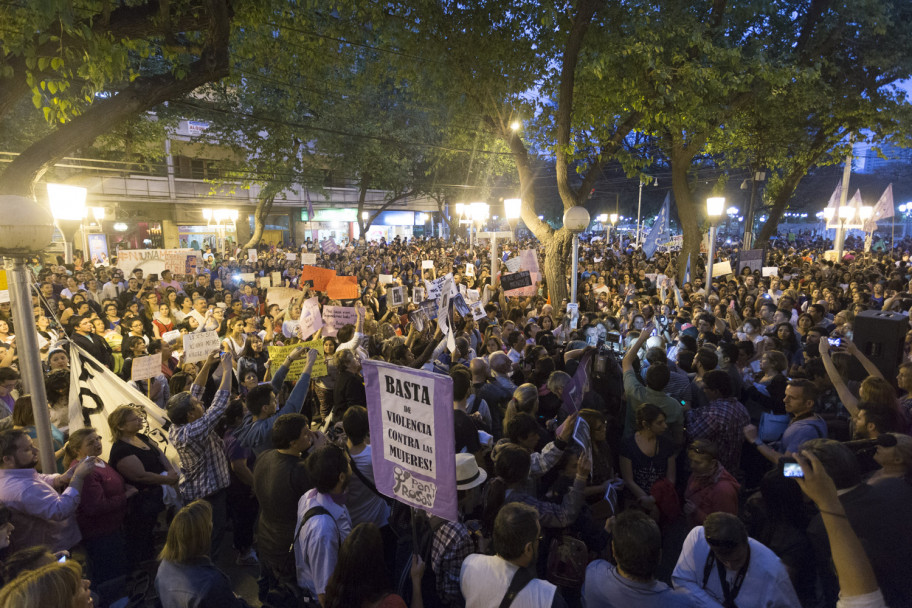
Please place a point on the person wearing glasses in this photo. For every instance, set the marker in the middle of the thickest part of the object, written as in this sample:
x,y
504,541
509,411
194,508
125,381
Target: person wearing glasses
x,y
720,566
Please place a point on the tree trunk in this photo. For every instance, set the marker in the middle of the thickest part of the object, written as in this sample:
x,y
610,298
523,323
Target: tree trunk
x,y
687,214
264,206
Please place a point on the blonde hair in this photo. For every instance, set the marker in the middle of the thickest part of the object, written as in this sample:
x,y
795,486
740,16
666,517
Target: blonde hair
x,y
74,444
189,535
51,585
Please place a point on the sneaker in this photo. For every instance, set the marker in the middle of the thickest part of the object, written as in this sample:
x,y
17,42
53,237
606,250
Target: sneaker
x,y
247,559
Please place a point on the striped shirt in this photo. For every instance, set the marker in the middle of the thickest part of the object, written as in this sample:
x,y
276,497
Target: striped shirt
x,y
204,466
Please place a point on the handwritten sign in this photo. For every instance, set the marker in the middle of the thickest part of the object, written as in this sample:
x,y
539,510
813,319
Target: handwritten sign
x,y
277,355
411,421
337,317
146,367
311,321
198,346
516,280
281,296
396,296
343,288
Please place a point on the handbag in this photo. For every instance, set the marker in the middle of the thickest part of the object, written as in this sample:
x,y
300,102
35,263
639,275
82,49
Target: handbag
x,y
567,561
772,426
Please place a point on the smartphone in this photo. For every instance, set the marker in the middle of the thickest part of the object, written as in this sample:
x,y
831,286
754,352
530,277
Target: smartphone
x,y
790,468
835,342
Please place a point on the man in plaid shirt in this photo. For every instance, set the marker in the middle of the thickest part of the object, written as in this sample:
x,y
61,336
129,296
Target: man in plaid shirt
x,y
204,466
721,420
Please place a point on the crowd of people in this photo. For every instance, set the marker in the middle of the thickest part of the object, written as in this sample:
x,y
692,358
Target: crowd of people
x,y
729,454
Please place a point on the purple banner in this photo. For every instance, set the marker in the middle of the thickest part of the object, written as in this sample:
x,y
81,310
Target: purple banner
x,y
578,385
413,446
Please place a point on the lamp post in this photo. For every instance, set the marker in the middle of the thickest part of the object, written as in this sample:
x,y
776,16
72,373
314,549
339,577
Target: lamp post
x,y
512,209
26,229
68,209
714,207
576,219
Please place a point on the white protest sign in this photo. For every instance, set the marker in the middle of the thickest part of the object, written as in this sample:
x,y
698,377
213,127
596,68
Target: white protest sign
x,y
419,295
265,282
311,320
478,311
722,268
385,279
770,271
427,264
336,317
171,336
146,367
252,255
198,346
396,296
513,264
309,259
472,295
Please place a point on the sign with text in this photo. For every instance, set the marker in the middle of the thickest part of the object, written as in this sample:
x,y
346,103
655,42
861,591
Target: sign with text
x,y
337,317
310,321
277,356
516,280
198,346
412,437
146,367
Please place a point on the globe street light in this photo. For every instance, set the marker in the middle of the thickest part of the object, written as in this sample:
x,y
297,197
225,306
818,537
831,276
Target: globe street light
x,y
26,229
576,219
714,207
69,209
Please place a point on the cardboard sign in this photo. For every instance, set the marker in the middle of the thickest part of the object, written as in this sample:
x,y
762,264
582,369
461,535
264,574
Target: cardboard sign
x,y
419,295
337,317
310,321
512,264
309,258
722,269
770,271
516,280
343,288
281,296
252,255
277,356
427,264
146,367
385,279
320,276
396,296
412,438
171,336
198,346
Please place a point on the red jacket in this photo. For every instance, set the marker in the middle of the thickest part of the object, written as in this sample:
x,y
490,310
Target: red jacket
x,y
713,493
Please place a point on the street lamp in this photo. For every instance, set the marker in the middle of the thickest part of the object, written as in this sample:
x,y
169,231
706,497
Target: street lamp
x,y
714,207
26,229
513,209
68,208
576,219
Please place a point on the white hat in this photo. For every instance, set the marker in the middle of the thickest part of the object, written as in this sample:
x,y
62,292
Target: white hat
x,y
468,475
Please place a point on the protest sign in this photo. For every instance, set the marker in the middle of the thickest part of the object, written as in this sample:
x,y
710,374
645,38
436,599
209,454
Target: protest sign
x,y
309,258
343,288
385,279
771,271
722,269
516,280
336,317
427,264
170,336
291,257
412,437
311,320
513,264
264,282
277,356
478,311
276,279
396,296
528,260
252,255
578,385
281,296
144,368
156,261
198,346
320,276
419,295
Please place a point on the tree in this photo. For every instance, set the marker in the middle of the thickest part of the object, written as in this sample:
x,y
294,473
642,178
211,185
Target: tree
x,y
90,66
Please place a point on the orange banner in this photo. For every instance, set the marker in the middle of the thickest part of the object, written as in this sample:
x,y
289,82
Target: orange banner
x,y
321,277
343,288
